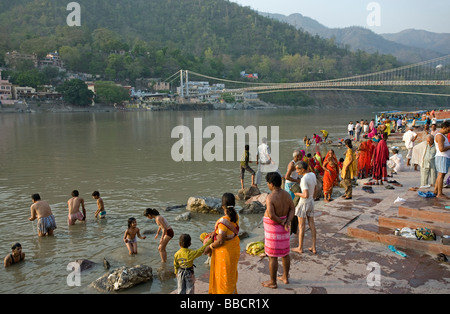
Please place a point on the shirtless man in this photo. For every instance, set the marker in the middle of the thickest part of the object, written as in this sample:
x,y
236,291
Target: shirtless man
x,y
16,255
74,208
41,211
277,219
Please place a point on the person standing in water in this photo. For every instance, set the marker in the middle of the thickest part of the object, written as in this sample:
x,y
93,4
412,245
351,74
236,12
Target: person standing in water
x,y
167,231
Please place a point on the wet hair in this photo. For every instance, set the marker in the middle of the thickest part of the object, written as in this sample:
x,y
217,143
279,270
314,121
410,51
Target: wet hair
x,y
15,246
185,240
151,211
274,178
96,193
36,197
75,193
130,221
348,142
228,201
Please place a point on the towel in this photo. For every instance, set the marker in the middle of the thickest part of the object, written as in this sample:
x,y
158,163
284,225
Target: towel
x,y
276,238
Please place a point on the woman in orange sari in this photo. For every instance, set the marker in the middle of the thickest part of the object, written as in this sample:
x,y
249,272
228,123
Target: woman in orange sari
x,y
225,250
330,165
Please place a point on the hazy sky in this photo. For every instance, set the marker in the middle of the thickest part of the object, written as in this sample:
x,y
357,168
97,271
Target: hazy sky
x,y
381,16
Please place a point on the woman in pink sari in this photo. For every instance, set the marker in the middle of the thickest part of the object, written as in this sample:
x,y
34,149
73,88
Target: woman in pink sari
x,y
380,158
330,166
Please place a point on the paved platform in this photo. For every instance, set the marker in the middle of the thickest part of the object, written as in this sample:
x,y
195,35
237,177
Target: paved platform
x,y
345,264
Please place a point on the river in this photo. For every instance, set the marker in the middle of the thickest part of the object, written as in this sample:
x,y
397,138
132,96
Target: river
x,y
128,157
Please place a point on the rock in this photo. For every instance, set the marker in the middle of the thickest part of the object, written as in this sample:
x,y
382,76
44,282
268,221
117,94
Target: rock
x,y
257,198
85,264
254,208
184,217
123,278
246,193
176,207
204,205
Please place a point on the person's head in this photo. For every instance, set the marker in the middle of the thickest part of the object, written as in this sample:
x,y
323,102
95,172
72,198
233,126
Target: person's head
x,y
341,159
228,204
348,143
131,222
264,140
301,167
433,127
445,127
185,240
430,140
36,197
296,155
16,249
395,151
273,180
75,193
332,153
151,213
247,147
96,194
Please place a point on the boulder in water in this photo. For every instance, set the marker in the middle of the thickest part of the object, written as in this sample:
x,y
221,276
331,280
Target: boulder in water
x,y
246,193
123,278
184,217
204,205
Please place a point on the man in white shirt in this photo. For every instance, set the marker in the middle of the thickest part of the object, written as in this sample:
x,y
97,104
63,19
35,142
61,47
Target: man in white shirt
x,y
350,128
305,207
409,138
264,161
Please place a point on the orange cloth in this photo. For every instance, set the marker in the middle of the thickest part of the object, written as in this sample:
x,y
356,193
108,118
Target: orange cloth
x,y
330,176
223,273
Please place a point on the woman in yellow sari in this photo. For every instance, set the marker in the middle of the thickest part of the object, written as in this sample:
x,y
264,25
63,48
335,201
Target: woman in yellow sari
x,y
226,250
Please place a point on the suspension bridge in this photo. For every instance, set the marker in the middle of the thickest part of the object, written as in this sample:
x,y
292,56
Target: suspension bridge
x,y
435,72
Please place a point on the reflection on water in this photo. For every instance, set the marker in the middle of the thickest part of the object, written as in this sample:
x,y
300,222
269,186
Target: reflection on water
x,y
127,157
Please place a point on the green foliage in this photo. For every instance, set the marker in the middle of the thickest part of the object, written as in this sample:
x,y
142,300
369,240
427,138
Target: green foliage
x,y
76,92
110,93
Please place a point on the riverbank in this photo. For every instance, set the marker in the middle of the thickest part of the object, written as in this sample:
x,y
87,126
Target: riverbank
x,y
346,264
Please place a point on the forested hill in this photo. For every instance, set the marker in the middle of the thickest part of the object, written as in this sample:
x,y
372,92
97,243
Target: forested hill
x,y
159,37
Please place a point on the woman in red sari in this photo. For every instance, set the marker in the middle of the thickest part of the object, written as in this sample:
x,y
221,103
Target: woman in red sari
x,y
380,158
330,166
366,150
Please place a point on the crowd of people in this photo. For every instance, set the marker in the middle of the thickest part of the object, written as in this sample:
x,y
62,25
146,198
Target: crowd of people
x,y
288,207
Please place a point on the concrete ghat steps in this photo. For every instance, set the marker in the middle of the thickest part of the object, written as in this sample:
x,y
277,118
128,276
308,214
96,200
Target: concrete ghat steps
x,y
428,215
383,232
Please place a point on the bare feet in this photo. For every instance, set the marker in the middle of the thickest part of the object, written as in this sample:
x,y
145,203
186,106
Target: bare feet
x,y
281,278
297,250
269,284
312,250
443,196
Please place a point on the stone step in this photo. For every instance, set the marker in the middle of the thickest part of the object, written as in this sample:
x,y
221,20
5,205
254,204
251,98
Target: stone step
x,y
401,222
425,215
386,235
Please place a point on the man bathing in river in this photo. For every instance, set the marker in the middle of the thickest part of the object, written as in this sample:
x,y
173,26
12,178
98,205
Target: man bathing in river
x,y
277,219
74,208
42,211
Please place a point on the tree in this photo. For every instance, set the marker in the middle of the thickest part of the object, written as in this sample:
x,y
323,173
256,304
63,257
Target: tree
x,y
110,93
76,92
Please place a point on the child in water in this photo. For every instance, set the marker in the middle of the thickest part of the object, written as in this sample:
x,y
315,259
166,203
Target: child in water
x,y
101,212
167,231
130,236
